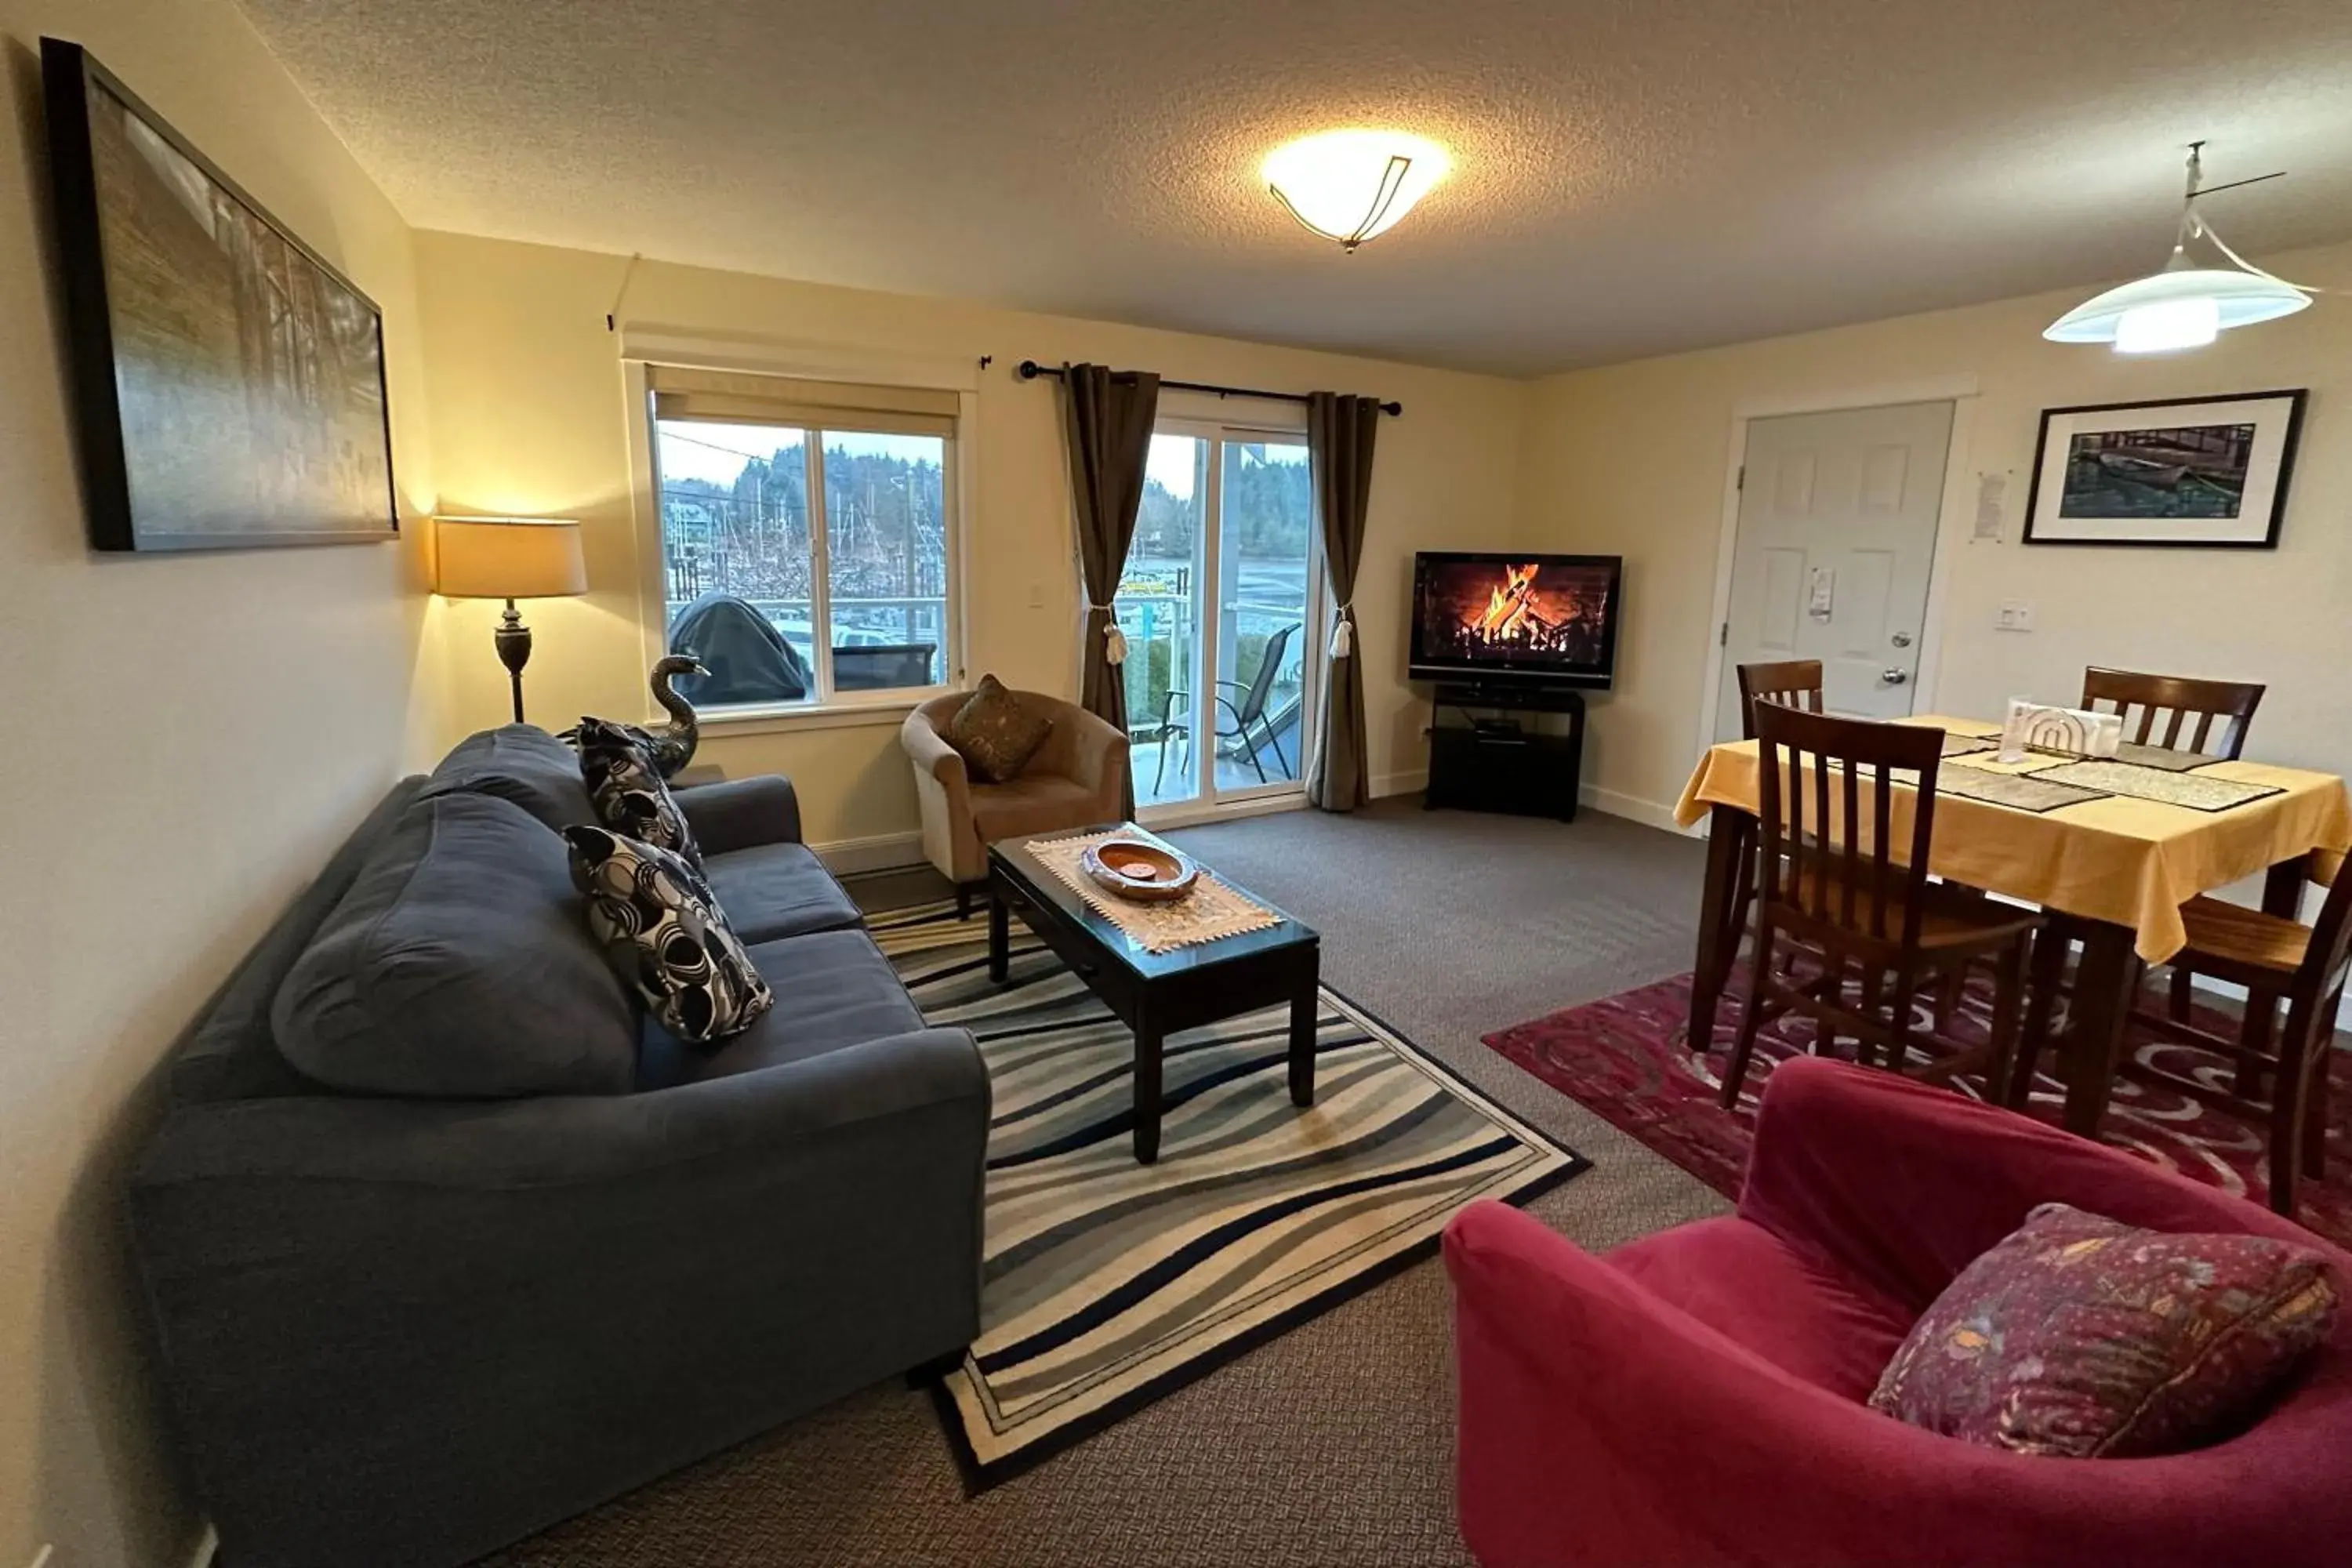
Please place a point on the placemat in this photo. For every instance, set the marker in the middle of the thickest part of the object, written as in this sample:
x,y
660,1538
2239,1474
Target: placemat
x,y
1965,745
2163,757
2199,792
2024,791
1210,911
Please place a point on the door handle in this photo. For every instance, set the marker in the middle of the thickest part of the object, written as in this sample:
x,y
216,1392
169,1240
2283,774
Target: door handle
x,y
1901,639
1894,677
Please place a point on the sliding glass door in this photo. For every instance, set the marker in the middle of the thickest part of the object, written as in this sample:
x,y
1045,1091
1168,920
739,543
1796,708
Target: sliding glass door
x,y
1222,602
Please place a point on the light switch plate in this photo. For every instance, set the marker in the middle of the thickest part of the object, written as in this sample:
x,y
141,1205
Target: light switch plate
x,y
2014,616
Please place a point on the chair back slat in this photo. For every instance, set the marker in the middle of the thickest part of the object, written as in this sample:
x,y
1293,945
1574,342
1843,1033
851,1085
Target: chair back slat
x,y
1792,683
2175,698
1845,878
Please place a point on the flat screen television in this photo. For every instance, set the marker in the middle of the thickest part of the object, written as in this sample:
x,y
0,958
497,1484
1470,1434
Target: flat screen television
x,y
1516,617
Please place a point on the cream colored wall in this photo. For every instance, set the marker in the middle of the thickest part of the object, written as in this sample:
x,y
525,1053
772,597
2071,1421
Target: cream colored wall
x,y
529,416
1632,459
189,738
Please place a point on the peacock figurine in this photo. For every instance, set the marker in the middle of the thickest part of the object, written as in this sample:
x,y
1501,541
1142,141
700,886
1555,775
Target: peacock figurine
x,y
671,746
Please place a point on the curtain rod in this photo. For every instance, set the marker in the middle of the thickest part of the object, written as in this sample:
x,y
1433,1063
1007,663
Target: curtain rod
x,y
1030,370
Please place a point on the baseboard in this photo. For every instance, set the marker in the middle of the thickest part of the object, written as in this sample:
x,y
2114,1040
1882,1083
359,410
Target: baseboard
x,y
1631,807
1411,782
879,852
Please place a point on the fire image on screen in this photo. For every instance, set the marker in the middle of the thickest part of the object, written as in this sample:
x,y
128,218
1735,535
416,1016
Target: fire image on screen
x,y
1539,614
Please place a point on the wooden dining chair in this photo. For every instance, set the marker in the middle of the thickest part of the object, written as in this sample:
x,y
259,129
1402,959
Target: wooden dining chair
x,y
1792,683
2279,962
2173,701
1834,886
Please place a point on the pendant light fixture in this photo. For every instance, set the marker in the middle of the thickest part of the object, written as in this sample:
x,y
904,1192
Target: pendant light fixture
x,y
1350,185
2203,291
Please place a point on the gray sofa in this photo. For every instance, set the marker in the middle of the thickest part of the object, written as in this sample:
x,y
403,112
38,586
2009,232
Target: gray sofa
x,y
408,1328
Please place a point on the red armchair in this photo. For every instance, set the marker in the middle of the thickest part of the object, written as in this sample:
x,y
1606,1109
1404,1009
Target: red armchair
x,y
1698,1396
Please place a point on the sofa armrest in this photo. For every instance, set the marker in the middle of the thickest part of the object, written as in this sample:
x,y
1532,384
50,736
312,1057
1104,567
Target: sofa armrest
x,y
740,813
574,1294
1599,1422
564,1141
1901,1185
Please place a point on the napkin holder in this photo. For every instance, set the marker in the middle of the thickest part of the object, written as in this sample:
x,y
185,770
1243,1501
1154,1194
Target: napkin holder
x,y
2071,732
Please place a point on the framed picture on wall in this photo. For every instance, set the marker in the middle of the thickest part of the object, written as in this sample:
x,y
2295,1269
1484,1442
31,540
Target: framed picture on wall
x,y
228,383
2209,471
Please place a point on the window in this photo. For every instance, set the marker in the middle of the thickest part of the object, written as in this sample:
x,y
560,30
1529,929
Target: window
x,y
787,506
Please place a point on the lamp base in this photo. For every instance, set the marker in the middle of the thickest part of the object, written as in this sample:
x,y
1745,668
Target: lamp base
x,y
513,640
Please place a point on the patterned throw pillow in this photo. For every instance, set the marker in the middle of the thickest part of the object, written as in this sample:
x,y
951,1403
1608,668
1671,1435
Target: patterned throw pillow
x,y
2084,1337
629,793
996,733
664,933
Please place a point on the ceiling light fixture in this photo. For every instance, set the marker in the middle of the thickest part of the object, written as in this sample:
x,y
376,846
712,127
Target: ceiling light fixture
x,y
2190,302
1350,185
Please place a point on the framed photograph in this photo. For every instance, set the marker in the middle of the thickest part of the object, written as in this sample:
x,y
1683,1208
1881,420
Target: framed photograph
x,y
228,383
2209,471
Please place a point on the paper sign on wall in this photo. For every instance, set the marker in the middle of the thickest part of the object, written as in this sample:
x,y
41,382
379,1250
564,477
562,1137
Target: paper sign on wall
x,y
1820,593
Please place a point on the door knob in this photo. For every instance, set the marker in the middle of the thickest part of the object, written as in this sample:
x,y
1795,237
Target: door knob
x,y
1901,639
1894,677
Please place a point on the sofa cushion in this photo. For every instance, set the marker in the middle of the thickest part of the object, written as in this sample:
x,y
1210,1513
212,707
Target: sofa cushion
x,y
663,931
996,732
1032,804
2080,1336
834,990
775,891
518,763
459,964
627,789
1748,1284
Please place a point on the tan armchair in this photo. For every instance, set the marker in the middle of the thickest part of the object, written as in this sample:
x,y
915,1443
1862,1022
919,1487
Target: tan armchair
x,y
1078,778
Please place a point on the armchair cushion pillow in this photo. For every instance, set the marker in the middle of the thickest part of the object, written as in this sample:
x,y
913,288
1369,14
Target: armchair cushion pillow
x,y
630,795
996,733
458,965
2084,1337
664,932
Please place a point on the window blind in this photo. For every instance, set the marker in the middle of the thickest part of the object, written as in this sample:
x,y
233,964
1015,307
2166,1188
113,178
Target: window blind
x,y
738,398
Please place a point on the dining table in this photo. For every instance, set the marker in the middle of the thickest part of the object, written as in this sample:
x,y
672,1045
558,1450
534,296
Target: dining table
x,y
2119,844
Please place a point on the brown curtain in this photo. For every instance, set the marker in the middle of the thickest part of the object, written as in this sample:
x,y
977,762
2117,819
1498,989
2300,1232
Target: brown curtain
x,y
1108,414
1341,432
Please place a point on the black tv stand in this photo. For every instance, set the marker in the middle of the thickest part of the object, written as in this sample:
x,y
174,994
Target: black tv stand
x,y
1489,759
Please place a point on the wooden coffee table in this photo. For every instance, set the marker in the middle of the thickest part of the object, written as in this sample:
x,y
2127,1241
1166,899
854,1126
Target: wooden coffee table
x,y
1158,993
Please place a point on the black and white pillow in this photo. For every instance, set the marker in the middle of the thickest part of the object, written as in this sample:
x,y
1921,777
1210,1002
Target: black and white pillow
x,y
630,795
664,933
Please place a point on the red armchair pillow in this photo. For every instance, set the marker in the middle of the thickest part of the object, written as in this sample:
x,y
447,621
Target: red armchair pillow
x,y
2084,1337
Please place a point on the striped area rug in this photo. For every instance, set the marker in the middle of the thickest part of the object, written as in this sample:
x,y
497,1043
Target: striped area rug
x,y
1111,1284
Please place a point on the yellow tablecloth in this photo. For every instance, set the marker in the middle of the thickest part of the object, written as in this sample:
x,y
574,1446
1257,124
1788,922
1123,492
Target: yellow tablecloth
x,y
2128,861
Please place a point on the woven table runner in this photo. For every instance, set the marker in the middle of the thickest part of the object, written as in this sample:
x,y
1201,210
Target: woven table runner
x,y
1210,911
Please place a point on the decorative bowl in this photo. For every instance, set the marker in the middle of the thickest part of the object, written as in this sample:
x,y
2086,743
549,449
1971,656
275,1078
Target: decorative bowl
x,y
1135,868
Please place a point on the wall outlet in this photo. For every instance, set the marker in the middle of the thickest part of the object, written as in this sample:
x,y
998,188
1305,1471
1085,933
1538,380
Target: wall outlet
x,y
1036,595
2014,616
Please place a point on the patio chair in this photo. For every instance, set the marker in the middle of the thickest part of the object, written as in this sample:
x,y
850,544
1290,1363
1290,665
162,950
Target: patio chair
x,y
1252,728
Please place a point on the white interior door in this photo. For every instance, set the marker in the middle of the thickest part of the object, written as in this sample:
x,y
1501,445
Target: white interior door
x,y
1837,535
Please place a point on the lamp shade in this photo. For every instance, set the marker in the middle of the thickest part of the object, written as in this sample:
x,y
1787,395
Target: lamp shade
x,y
1351,184
507,558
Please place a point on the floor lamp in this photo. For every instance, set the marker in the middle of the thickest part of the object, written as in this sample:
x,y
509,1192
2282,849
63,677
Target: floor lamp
x,y
508,558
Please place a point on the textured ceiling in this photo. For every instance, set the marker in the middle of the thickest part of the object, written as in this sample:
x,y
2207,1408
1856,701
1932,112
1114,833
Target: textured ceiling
x,y
1632,178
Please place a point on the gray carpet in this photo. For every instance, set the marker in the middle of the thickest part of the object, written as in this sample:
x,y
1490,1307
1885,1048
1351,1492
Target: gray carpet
x,y
1333,1444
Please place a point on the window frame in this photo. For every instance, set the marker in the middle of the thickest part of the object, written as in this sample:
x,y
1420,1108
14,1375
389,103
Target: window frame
x,y
828,710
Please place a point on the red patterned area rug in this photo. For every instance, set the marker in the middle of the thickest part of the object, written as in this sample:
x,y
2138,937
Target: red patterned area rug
x,y
1626,1058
